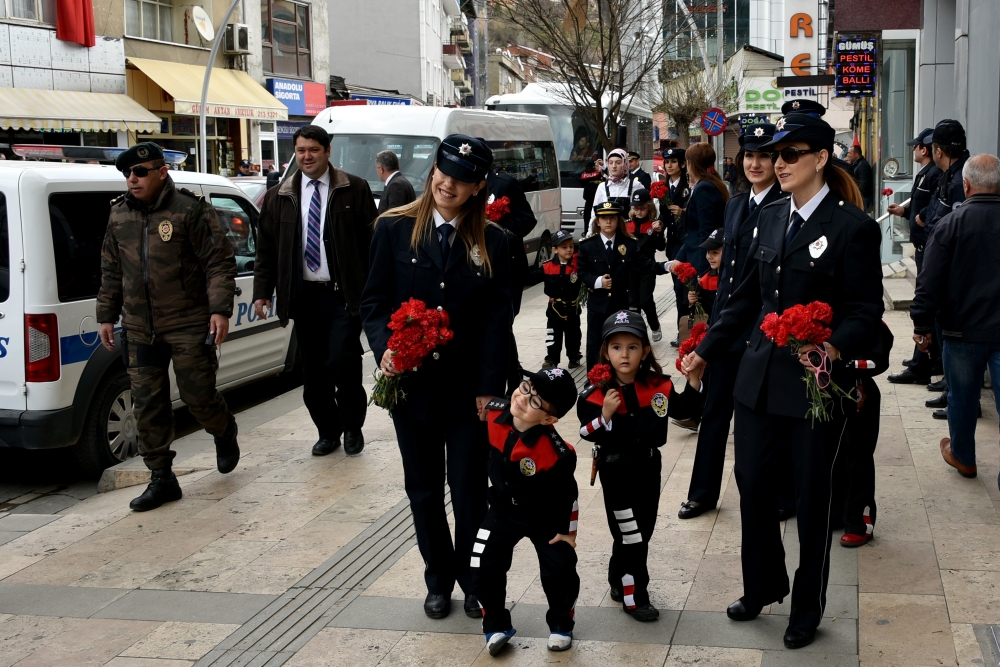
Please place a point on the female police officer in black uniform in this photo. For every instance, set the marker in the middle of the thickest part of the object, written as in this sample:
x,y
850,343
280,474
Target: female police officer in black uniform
x,y
816,246
442,250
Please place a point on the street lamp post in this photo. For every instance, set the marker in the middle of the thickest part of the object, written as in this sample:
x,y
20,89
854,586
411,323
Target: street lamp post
x,y
202,123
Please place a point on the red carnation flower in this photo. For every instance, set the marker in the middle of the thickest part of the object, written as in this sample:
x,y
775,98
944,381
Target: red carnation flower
x,y
658,190
599,375
498,209
685,272
886,192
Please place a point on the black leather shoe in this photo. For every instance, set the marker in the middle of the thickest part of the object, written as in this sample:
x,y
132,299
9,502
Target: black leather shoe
x,y
940,414
325,446
472,608
738,611
799,638
227,450
163,488
785,515
910,363
941,401
909,377
940,385
575,363
437,606
616,594
644,613
675,342
354,443
690,509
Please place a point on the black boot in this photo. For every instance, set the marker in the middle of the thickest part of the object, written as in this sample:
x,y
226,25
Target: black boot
x,y
227,450
163,488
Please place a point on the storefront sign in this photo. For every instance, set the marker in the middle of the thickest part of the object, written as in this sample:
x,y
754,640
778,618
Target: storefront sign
x,y
303,98
228,111
856,60
376,100
285,130
760,95
750,119
802,43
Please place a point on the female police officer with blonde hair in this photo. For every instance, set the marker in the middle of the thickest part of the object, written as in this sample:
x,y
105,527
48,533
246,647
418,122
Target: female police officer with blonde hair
x,y
441,250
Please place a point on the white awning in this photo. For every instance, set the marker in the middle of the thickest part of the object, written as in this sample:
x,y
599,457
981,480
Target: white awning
x,y
53,110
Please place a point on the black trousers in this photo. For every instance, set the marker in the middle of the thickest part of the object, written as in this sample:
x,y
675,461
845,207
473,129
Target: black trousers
x,y
452,446
330,339
595,322
713,434
762,441
557,328
854,475
514,373
631,495
681,297
640,291
491,560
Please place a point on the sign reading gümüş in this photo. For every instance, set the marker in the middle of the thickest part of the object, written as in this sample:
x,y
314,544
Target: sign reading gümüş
x,y
856,62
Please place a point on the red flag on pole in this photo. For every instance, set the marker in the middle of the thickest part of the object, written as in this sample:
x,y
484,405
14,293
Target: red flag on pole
x,y
75,21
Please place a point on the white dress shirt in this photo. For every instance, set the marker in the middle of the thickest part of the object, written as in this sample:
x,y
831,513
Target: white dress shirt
x,y
322,273
439,220
759,197
604,241
389,178
809,207
619,189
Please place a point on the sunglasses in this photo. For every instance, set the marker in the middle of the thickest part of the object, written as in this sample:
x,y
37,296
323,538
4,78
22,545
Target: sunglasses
x,y
139,171
790,155
534,400
820,365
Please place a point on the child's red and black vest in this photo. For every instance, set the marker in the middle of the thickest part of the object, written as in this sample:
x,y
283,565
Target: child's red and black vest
x,y
531,473
562,284
647,239
639,425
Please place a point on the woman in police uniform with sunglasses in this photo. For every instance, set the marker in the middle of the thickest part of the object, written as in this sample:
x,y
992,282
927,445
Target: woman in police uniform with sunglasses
x,y
818,245
441,250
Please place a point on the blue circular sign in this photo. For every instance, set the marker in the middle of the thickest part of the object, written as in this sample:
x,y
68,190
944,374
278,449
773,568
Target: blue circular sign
x,y
713,121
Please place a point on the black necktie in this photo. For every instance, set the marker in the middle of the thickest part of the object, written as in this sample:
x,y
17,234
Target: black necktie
x,y
793,228
753,204
446,230
611,257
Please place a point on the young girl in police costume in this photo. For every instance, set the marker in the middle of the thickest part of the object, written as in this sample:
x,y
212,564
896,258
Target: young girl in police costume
x,y
626,419
441,249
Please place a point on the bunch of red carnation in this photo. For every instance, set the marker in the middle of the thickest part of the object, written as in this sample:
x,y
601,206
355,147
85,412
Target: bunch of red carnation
x,y
417,331
886,192
692,342
687,274
498,209
599,375
658,190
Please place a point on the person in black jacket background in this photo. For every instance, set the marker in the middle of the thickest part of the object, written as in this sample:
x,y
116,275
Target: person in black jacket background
x,y
672,217
816,246
441,250
862,172
397,191
950,154
636,171
648,233
563,287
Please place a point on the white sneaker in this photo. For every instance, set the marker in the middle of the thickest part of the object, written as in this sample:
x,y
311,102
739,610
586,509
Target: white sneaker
x,y
497,640
657,335
560,641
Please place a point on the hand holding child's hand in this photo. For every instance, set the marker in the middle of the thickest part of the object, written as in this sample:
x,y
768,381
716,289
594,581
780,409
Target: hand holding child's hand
x,y
611,402
568,539
694,377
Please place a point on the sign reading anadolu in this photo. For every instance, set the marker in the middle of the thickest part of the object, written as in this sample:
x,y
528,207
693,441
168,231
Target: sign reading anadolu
x,y
303,98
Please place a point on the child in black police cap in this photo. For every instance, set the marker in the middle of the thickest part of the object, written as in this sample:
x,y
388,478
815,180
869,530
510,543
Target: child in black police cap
x,y
533,494
626,419
708,282
562,286
648,232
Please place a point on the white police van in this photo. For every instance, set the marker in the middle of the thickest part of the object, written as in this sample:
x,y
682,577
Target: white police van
x,y
522,146
59,387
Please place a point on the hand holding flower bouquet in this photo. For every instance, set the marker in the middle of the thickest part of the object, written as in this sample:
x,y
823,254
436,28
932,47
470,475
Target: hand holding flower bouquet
x,y
687,274
597,376
661,193
797,327
691,343
417,330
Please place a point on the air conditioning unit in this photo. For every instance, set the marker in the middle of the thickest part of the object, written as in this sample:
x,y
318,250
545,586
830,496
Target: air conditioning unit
x,y
237,39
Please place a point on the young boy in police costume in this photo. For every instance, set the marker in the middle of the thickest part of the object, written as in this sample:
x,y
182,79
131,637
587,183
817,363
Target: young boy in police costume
x,y
562,286
533,494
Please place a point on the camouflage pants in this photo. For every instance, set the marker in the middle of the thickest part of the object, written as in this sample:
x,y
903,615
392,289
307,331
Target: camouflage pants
x,y
195,366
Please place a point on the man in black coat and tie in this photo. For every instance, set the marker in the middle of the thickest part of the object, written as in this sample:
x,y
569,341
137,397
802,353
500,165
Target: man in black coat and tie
x,y
396,191
636,170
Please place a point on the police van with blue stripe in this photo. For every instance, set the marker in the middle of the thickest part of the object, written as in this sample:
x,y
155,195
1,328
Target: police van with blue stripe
x,y
58,386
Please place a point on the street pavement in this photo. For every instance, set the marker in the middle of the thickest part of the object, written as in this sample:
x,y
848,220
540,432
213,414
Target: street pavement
x,y
304,561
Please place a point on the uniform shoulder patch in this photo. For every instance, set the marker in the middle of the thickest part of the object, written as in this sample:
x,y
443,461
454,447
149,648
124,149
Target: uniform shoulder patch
x,y
189,193
118,200
562,447
587,391
498,404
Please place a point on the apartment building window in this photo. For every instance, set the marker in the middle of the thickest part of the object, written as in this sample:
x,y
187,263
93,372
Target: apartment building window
x,y
43,11
150,19
285,36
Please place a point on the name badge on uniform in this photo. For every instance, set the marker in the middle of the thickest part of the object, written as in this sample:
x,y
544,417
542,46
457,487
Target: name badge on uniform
x,y
572,277
755,232
621,250
476,255
527,467
659,404
166,230
818,247
492,198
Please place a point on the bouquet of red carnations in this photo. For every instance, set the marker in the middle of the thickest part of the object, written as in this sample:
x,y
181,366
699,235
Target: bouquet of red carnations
x,y
661,193
687,274
797,327
416,331
691,343
497,209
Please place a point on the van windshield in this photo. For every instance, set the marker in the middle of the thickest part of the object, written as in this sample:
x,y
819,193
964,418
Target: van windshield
x,y
355,154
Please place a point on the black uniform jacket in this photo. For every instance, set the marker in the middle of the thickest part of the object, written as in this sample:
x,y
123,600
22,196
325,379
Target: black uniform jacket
x,y
835,259
959,283
739,228
643,177
562,284
649,241
592,263
474,362
531,474
518,224
948,191
704,214
640,423
924,185
399,192
674,229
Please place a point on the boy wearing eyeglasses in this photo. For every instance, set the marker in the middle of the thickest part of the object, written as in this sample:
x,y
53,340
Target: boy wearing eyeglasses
x,y
533,494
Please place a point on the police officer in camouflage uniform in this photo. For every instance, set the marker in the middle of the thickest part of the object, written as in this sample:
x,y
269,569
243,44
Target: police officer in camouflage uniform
x,y
168,269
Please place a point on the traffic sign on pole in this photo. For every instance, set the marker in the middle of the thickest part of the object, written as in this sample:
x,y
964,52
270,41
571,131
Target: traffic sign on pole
x,y
713,121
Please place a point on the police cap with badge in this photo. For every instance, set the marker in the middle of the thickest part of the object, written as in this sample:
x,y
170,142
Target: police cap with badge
x,y
714,240
561,237
756,136
805,127
949,133
556,387
633,155
808,107
608,208
464,158
641,197
674,154
146,151
626,321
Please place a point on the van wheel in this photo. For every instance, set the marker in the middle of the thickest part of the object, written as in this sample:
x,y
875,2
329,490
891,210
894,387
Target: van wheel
x,y
544,253
111,433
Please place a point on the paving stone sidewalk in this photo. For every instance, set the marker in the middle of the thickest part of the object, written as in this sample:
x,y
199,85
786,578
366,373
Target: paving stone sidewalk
x,y
297,560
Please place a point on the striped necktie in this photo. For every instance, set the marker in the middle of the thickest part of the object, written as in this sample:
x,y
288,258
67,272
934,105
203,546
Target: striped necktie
x,y
314,227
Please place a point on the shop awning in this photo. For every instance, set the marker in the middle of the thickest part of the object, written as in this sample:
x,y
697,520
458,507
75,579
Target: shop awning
x,y
231,93
51,110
